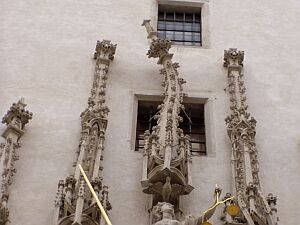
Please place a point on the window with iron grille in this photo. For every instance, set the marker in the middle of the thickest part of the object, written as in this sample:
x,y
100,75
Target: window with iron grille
x,y
179,26
193,124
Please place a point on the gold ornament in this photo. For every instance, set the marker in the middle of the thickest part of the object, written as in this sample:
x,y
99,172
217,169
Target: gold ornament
x,y
232,210
206,223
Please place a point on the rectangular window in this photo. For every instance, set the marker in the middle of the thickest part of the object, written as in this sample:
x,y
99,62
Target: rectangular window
x,y
179,25
193,124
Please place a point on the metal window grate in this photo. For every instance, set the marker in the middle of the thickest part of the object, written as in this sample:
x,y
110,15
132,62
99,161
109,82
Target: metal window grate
x,y
196,129
180,27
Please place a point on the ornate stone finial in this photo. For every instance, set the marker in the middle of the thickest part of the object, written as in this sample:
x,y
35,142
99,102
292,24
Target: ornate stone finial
x,y
59,195
152,34
4,214
81,191
105,50
97,184
251,190
232,57
241,131
165,145
159,48
70,181
218,191
17,116
271,199
77,203
105,200
15,119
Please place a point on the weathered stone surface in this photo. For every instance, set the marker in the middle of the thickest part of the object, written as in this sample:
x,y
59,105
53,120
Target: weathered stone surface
x,y
45,56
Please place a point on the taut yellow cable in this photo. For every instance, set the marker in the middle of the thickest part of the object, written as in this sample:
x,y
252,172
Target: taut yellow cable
x,y
103,213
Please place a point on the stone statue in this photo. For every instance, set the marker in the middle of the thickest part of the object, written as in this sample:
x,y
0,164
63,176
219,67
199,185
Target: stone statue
x,y
164,213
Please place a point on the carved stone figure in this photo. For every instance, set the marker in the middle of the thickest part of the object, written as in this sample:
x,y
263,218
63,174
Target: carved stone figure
x,y
167,216
74,204
15,119
163,214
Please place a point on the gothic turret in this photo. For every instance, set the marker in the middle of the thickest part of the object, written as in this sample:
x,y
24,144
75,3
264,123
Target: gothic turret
x,y
255,208
15,119
75,204
167,163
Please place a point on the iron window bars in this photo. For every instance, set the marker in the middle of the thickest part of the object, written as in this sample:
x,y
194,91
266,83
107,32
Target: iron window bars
x,y
180,27
193,124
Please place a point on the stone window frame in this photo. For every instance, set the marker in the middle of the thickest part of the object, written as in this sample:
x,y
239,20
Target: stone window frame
x,y
209,117
201,4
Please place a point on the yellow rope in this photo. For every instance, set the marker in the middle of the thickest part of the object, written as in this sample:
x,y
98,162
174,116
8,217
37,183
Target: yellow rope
x,y
103,213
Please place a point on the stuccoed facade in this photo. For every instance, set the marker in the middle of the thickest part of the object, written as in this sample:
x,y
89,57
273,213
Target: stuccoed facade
x,y
46,56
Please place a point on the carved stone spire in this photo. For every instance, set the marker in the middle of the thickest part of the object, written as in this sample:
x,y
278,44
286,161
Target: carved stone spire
x,y
75,205
244,160
167,160
166,163
15,119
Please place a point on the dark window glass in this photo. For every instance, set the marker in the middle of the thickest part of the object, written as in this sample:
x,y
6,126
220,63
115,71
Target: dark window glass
x,y
196,27
169,25
179,36
179,17
160,25
189,17
170,16
182,28
170,35
161,15
188,26
192,124
188,36
178,26
197,37
161,34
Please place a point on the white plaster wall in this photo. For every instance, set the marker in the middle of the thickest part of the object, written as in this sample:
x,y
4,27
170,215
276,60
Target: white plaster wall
x,y
46,50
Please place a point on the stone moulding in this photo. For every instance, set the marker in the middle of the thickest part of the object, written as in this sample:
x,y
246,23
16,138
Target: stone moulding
x,y
74,204
16,118
255,208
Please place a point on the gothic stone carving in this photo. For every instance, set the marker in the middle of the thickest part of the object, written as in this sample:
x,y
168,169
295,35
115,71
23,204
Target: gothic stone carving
x,y
158,48
166,161
245,168
74,204
15,119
